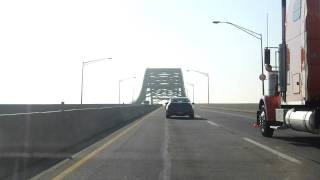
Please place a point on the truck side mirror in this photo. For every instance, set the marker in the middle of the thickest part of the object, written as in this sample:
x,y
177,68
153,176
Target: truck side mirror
x,y
267,56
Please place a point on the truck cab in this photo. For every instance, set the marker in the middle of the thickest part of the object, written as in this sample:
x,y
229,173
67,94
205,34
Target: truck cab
x,y
303,52
294,81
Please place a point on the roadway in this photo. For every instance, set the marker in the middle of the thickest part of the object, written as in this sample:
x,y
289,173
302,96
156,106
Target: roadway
x,y
217,144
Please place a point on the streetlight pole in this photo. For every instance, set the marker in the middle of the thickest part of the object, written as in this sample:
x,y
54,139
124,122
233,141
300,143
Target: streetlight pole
x,y
119,86
207,75
192,85
82,72
119,91
257,36
208,89
82,81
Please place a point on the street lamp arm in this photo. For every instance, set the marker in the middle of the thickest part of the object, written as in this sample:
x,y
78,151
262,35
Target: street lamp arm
x,y
244,29
253,34
203,73
121,80
207,75
248,31
95,60
82,72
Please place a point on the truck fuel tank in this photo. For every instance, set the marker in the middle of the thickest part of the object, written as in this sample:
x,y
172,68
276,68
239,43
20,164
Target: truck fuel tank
x,y
303,121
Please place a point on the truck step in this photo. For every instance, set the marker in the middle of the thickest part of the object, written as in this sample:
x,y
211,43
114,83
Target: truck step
x,y
278,127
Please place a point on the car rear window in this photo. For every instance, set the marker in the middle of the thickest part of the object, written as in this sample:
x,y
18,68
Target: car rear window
x,y
180,100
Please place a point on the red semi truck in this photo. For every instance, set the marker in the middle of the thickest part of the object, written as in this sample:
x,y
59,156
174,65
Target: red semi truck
x,y
293,100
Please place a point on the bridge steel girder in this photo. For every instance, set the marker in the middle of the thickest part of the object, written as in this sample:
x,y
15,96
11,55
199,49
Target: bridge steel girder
x,y
161,84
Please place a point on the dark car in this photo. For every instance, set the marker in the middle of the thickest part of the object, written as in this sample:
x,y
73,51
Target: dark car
x,y
179,106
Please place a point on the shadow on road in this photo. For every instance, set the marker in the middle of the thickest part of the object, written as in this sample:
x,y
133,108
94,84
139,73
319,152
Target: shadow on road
x,y
302,141
185,118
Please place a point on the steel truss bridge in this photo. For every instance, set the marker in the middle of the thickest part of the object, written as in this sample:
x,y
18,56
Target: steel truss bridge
x,y
160,84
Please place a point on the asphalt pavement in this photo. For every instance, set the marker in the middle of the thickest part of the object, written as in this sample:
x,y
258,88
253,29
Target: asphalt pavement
x,y
217,144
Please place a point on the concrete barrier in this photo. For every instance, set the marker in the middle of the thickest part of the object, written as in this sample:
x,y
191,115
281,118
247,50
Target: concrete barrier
x,y
27,108
29,137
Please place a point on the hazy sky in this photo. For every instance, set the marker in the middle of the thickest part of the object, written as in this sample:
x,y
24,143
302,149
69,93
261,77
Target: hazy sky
x,y
43,44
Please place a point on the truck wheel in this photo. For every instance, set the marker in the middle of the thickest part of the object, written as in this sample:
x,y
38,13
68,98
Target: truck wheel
x,y
265,129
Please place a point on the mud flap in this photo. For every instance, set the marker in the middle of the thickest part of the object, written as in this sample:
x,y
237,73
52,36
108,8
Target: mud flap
x,y
257,123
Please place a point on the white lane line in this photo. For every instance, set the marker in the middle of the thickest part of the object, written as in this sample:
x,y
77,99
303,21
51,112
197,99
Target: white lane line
x,y
214,124
166,173
284,156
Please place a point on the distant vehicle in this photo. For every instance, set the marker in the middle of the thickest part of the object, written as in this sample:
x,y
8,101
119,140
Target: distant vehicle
x,y
179,106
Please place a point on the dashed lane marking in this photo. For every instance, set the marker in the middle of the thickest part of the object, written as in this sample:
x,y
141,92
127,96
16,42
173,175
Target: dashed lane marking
x,y
214,124
273,151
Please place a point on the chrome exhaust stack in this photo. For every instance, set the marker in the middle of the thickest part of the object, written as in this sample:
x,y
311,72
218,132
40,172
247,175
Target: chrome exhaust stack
x,y
302,121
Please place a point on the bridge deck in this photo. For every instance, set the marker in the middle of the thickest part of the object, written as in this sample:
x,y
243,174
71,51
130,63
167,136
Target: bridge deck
x,y
216,145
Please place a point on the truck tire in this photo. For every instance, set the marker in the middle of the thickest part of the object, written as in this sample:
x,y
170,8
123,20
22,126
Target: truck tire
x,y
265,129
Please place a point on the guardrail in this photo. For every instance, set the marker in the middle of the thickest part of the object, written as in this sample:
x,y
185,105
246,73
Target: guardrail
x,y
28,137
